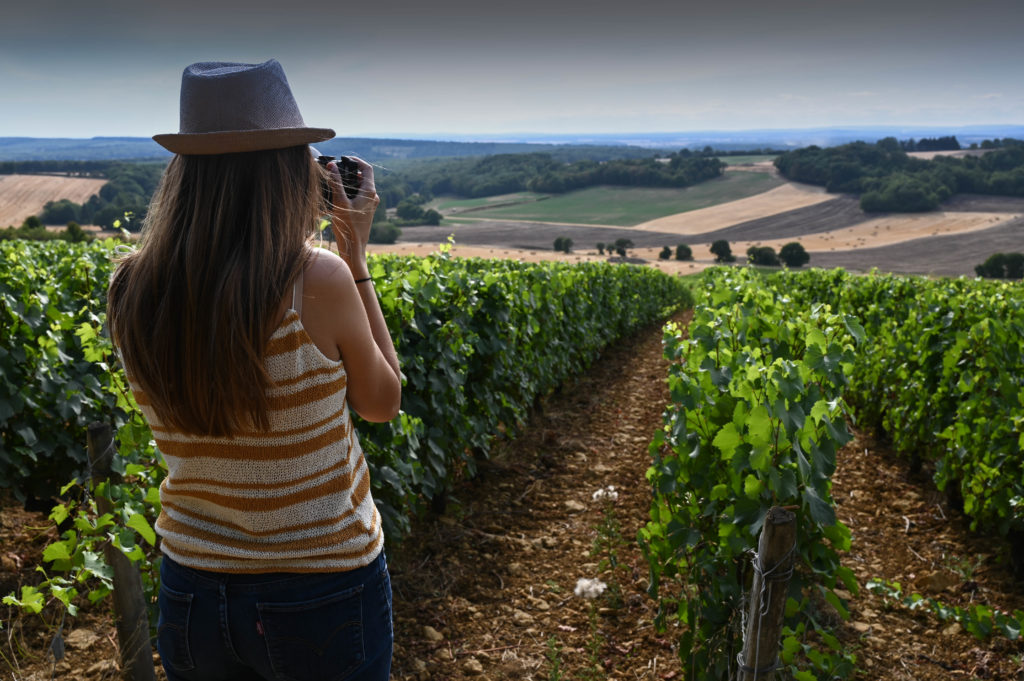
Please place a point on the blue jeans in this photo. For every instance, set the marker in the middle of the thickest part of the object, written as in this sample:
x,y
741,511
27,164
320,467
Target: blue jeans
x,y
275,627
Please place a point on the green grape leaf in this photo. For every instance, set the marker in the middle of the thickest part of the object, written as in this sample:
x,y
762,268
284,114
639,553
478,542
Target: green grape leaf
x,y
727,440
138,522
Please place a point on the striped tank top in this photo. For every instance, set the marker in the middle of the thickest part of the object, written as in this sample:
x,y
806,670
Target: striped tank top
x,y
293,499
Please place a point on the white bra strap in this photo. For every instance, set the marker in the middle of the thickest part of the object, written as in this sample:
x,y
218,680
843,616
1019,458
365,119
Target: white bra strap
x,y
297,294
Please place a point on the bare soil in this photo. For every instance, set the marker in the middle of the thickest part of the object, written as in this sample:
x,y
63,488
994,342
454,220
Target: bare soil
x,y
25,195
493,575
974,203
834,213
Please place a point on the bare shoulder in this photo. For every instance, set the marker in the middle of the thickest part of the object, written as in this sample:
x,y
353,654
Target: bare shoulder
x,y
325,272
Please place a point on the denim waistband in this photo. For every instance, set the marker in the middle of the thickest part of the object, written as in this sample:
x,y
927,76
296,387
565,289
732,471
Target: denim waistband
x,y
262,580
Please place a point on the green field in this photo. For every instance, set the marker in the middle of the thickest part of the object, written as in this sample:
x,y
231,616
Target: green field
x,y
624,206
455,206
741,160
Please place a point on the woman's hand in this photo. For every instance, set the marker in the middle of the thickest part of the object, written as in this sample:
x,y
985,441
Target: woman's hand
x,y
352,218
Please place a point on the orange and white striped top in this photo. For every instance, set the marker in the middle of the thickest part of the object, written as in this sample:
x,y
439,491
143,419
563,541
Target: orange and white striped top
x,y
293,499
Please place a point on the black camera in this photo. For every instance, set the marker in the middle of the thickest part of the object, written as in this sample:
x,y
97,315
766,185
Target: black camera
x,y
349,170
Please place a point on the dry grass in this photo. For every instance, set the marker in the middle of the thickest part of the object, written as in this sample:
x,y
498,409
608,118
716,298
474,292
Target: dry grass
x,y
788,197
25,195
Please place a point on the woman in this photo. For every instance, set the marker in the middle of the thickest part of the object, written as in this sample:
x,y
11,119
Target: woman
x,y
245,347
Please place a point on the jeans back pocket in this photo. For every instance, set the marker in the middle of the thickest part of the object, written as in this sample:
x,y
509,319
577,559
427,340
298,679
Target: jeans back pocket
x,y
315,640
172,629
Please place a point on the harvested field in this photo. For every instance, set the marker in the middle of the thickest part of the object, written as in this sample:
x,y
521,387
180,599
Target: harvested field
x,y
958,153
904,234
25,195
825,216
894,229
782,199
951,255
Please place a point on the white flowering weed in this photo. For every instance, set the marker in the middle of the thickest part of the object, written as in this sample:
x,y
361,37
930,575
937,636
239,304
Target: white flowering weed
x,y
589,588
608,493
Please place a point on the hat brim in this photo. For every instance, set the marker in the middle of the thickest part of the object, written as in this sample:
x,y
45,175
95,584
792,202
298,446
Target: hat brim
x,y
237,141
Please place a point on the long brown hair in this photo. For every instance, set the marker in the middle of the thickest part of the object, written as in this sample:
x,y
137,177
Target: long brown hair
x,y
191,310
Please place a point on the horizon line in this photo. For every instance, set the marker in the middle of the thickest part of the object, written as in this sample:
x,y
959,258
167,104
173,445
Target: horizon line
x,y
495,136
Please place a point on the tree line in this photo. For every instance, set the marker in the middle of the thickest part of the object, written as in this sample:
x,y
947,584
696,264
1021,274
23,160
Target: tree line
x,y
69,168
887,179
127,191
541,172
949,143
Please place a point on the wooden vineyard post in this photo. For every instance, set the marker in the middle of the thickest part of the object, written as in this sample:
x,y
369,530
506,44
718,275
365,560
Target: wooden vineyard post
x,y
130,612
773,567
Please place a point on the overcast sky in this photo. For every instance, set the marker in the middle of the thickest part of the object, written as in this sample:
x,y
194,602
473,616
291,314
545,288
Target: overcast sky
x,y
83,68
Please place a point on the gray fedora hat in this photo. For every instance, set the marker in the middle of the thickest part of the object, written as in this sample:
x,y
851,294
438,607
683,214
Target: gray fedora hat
x,y
228,108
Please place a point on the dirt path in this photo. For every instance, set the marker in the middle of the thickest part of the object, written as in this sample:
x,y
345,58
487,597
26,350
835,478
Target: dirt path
x,y
495,575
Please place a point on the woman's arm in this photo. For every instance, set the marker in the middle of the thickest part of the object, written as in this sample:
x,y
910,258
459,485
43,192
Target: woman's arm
x,y
375,388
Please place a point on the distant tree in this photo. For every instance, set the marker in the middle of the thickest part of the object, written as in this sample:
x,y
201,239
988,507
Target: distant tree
x,y
106,217
890,144
409,210
720,249
1002,266
431,217
684,252
75,233
59,212
666,253
31,222
901,192
622,246
560,243
567,245
762,255
384,233
794,255
600,248
381,214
